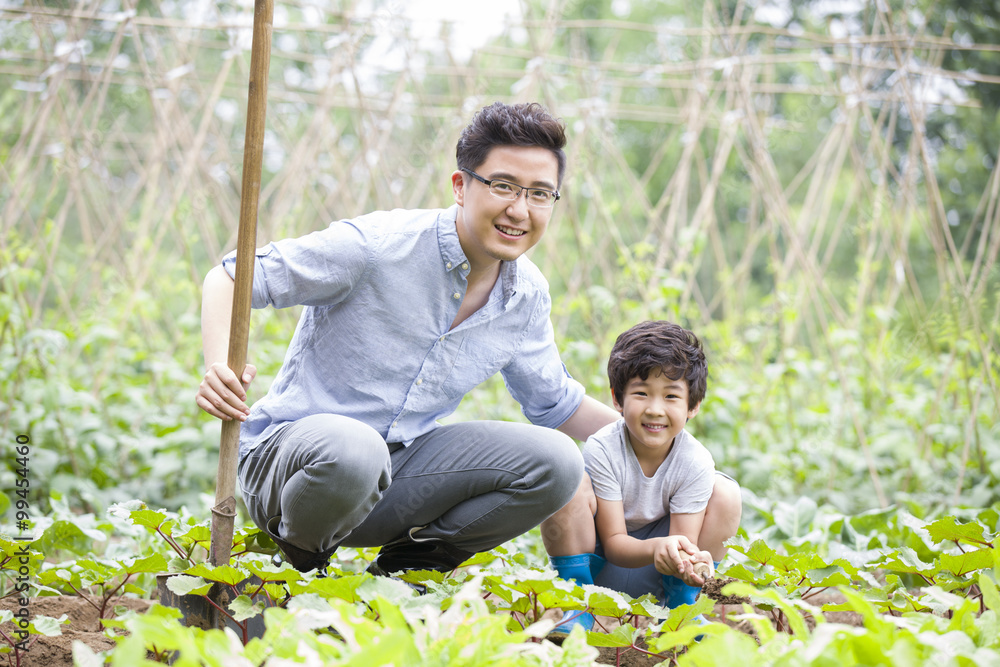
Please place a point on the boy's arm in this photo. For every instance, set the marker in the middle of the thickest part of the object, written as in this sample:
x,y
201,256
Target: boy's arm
x,y
626,551
619,547
688,527
673,555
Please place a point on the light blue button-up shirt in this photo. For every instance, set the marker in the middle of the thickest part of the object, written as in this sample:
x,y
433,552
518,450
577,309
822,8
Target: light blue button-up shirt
x,y
373,342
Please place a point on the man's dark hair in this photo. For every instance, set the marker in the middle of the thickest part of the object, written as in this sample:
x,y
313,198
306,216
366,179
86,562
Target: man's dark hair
x,y
663,346
510,125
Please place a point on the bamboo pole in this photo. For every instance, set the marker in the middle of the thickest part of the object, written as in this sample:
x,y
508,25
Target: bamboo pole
x,y
224,512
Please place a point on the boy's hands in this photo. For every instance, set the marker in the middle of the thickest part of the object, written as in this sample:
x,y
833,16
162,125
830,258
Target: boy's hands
x,y
676,556
222,395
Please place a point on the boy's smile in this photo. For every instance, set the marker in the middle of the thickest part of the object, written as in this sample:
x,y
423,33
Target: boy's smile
x,y
655,411
491,229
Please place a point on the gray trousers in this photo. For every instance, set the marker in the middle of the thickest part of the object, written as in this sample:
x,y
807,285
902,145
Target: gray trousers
x,y
334,481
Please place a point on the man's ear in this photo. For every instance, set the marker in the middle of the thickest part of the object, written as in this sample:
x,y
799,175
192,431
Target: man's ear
x,y
458,186
614,402
693,411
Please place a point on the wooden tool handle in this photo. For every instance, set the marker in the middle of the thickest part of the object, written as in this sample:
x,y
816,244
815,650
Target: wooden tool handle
x,y
224,512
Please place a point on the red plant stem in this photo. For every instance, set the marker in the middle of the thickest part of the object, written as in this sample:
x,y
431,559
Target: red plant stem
x,y
107,597
89,601
173,544
242,625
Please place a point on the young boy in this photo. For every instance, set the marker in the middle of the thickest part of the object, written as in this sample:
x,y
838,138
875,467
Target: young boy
x,y
650,480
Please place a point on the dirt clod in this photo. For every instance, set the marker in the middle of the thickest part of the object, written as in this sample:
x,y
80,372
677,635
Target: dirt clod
x,y
713,589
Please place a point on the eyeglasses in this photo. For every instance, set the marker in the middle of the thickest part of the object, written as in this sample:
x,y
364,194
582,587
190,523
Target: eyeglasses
x,y
511,191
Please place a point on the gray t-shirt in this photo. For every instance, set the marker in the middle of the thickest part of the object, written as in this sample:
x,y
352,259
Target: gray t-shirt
x,y
681,485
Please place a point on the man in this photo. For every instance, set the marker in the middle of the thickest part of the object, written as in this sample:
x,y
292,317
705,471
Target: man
x,y
405,312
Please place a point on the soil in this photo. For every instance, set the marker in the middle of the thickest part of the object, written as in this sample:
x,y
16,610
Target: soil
x,y
83,626
725,606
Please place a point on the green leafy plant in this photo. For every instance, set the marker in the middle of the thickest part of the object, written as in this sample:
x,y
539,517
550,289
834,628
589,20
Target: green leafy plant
x,y
17,642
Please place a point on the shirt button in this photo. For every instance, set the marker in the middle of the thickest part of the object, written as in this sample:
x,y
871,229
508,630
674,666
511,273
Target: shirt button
x,y
420,381
448,265
441,339
457,295
395,424
465,266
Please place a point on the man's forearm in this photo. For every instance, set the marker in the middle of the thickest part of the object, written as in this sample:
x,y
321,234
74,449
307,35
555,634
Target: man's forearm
x,y
216,314
590,417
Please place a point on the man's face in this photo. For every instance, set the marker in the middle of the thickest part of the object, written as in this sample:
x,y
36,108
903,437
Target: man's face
x,y
491,229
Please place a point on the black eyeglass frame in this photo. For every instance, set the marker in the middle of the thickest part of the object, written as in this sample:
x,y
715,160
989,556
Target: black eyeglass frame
x,y
520,189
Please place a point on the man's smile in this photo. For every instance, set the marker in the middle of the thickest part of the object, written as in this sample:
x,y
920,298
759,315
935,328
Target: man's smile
x,y
510,231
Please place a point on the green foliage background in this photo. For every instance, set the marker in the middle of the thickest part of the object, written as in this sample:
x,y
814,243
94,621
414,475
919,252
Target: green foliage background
x,y
813,190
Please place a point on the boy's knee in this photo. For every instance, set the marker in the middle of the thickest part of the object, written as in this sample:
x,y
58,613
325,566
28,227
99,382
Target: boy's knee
x,y
725,507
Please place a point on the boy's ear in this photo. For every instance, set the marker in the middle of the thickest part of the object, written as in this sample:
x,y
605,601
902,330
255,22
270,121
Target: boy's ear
x,y
693,411
614,401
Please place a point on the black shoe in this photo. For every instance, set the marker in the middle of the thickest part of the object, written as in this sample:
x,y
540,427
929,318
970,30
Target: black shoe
x,y
300,559
408,553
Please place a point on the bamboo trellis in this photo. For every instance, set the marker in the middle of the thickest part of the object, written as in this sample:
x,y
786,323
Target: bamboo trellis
x,y
120,151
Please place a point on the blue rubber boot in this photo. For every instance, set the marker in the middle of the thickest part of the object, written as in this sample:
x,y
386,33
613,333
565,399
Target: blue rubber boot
x,y
573,568
676,593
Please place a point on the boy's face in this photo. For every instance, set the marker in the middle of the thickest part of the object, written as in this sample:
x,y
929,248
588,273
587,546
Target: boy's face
x,y
491,229
655,411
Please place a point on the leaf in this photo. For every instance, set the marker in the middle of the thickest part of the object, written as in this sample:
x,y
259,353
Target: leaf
x,y
243,608
83,656
795,520
344,588
384,587
605,601
963,564
198,533
48,626
991,596
688,635
801,563
268,572
687,614
226,574
826,578
182,584
760,552
948,528
758,578
151,564
623,635
906,560
149,518
64,535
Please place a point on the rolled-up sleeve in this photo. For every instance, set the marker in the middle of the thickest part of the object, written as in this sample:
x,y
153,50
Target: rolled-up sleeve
x,y
317,269
536,376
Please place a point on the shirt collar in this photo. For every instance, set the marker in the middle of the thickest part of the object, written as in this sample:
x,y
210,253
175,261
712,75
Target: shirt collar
x,y
452,254
453,257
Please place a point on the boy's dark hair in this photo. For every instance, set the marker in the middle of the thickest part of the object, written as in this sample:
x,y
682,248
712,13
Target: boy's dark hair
x,y
658,345
510,125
